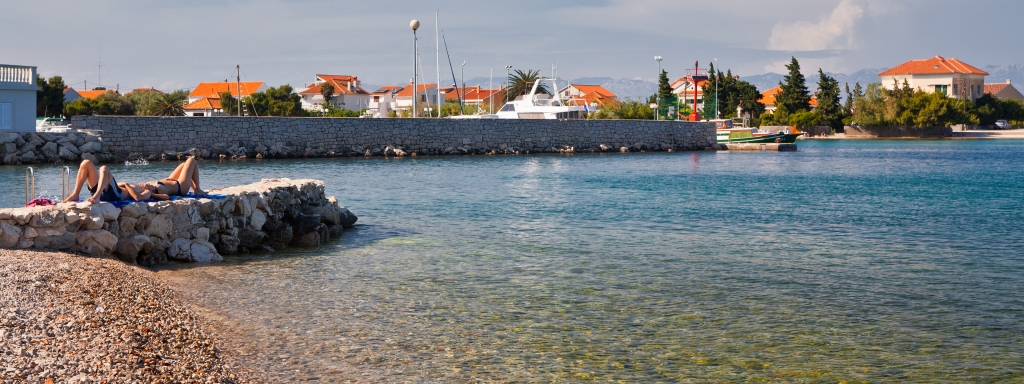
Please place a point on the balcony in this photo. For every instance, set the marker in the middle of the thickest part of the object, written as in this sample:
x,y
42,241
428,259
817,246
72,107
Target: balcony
x,y
17,77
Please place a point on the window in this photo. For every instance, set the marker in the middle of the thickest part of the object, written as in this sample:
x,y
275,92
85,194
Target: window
x,y
6,116
941,88
956,90
199,114
376,99
423,98
509,108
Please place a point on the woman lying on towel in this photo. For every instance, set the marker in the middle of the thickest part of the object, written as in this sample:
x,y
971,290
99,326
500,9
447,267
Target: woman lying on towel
x,y
104,187
184,178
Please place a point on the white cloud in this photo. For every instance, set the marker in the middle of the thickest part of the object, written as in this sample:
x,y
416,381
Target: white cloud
x,y
832,32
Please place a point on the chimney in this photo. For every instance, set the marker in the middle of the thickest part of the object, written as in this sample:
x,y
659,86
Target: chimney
x,y
1007,81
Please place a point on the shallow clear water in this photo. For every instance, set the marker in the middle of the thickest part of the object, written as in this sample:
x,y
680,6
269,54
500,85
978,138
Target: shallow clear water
x,y
848,260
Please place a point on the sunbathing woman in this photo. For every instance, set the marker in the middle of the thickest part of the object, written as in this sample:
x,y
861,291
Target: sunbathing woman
x,y
184,178
104,188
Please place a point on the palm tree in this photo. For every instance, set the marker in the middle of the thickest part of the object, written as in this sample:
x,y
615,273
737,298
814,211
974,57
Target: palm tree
x,y
327,90
171,104
520,83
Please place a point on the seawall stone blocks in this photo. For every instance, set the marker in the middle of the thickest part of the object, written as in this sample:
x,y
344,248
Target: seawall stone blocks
x,y
270,137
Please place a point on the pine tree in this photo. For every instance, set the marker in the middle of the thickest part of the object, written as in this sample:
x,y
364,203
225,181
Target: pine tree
x,y
794,96
829,111
50,97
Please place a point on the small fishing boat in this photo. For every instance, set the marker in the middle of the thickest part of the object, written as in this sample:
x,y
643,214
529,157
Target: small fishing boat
x,y
727,133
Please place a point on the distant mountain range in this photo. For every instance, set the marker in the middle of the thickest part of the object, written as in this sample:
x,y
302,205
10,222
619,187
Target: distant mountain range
x,y
641,89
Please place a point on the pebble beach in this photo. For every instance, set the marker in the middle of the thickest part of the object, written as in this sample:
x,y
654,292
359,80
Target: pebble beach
x,y
72,318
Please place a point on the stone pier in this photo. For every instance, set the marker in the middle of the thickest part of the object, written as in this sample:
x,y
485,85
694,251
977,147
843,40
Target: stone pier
x,y
261,217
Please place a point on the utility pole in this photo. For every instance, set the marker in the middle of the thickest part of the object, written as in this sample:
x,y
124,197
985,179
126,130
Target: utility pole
x,y
491,92
415,24
657,96
238,87
437,52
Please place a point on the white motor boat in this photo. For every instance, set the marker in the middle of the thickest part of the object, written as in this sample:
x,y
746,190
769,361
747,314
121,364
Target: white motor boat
x,y
541,106
52,125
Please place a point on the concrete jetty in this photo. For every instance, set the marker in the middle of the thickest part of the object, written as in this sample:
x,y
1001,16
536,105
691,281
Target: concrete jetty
x,y
261,217
760,147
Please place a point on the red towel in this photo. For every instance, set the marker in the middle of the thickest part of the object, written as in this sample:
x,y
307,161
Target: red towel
x,y
40,202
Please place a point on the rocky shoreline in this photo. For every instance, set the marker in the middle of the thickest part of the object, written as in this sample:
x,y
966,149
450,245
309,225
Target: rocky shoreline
x,y
71,318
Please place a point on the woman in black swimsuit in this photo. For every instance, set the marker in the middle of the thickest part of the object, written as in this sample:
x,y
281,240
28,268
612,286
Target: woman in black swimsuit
x,y
104,187
184,178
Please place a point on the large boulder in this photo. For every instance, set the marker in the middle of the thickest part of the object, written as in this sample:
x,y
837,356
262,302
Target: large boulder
x,y
47,218
250,238
228,244
28,157
67,155
106,210
348,219
49,151
279,234
134,209
9,235
9,137
193,250
129,248
61,242
97,242
157,225
307,231
91,147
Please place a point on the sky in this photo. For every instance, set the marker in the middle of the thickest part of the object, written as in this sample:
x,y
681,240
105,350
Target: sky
x,y
177,44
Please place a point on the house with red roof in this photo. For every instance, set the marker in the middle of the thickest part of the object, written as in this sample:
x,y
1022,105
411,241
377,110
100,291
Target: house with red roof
x,y
683,88
1004,91
950,77
426,97
347,94
588,95
94,93
768,99
204,100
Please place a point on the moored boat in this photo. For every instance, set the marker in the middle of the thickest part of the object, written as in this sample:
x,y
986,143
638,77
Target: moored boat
x,y
725,132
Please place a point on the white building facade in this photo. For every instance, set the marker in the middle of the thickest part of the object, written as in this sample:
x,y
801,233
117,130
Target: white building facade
x,y
950,77
18,98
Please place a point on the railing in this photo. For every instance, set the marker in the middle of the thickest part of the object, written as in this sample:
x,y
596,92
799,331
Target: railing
x,y
17,74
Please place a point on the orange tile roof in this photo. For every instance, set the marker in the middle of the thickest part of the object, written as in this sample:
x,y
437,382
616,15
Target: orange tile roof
x,y
587,89
478,93
768,97
203,104
214,90
407,91
995,88
700,89
340,84
93,94
932,66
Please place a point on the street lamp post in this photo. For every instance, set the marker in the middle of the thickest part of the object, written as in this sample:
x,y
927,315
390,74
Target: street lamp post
x,y
415,24
462,102
490,91
657,96
508,72
718,111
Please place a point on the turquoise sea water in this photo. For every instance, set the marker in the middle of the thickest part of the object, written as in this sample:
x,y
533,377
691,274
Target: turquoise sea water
x,y
847,260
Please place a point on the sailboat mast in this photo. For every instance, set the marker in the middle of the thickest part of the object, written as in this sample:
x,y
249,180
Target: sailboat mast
x,y
437,64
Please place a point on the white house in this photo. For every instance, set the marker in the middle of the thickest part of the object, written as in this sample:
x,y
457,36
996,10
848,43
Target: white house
x,y
383,100
592,96
950,77
684,87
17,98
347,93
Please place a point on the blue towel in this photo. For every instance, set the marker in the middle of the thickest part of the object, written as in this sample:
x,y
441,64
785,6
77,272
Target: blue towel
x,y
190,195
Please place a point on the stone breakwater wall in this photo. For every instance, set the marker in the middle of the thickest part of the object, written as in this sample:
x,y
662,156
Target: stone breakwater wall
x,y
271,137
33,148
260,217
